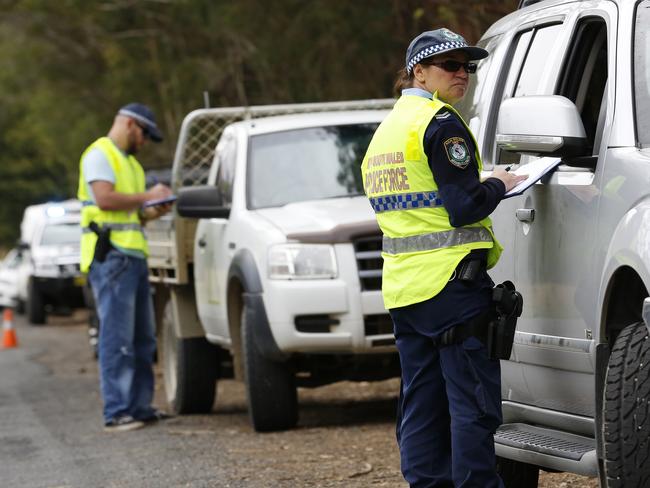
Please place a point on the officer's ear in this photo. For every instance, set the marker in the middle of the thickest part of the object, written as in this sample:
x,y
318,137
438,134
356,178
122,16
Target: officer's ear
x,y
418,73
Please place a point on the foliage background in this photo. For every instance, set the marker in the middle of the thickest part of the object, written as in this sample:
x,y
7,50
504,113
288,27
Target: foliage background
x,y
67,65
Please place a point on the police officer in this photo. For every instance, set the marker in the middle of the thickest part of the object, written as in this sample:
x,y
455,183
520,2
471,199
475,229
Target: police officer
x,y
422,176
112,191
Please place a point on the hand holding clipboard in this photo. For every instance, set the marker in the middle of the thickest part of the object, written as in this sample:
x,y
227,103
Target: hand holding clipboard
x,y
160,201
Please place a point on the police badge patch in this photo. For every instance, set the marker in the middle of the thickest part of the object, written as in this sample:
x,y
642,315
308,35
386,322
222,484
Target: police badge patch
x,y
457,152
451,36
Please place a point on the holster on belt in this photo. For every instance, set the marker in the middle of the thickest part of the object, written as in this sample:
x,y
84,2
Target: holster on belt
x,y
508,304
103,245
495,327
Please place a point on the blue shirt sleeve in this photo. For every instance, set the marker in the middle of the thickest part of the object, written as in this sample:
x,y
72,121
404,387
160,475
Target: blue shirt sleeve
x,y
96,168
452,158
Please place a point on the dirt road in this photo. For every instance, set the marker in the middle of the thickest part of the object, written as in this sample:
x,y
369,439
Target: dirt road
x,y
51,432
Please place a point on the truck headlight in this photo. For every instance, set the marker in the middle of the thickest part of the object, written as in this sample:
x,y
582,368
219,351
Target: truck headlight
x,y
302,262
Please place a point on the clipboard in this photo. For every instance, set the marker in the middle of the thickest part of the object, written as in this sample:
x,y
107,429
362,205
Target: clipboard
x,y
535,170
160,201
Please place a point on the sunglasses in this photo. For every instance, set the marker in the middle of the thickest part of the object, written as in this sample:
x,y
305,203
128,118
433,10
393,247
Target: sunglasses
x,y
145,131
451,66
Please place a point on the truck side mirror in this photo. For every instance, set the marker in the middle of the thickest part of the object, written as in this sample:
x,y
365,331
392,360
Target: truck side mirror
x,y
22,245
548,125
201,202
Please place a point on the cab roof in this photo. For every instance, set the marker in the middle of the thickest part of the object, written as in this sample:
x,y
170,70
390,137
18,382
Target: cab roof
x,y
281,123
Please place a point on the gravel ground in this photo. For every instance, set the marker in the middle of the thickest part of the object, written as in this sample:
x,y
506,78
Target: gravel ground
x,y
345,435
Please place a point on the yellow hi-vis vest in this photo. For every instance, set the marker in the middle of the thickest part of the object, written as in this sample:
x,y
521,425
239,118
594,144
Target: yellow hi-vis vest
x,y
126,228
421,249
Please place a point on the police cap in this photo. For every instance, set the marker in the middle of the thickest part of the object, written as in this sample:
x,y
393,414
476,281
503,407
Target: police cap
x,y
431,43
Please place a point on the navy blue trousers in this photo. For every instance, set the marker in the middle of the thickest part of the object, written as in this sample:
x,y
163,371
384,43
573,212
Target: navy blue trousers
x,y
450,397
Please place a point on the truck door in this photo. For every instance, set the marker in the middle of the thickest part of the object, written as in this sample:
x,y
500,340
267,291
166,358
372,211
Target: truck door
x,y
210,247
556,219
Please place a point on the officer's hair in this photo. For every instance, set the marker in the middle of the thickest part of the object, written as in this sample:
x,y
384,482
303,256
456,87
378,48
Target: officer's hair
x,y
404,80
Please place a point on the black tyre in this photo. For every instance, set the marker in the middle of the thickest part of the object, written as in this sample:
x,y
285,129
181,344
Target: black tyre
x,y
270,386
190,369
626,415
35,304
20,307
516,474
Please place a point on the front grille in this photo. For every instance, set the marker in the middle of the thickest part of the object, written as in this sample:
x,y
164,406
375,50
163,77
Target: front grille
x,y
367,250
378,324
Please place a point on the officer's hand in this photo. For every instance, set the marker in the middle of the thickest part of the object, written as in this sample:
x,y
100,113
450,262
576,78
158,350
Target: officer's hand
x,y
510,180
158,191
152,213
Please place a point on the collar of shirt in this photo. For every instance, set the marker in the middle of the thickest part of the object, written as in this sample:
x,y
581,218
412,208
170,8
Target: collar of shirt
x,y
417,92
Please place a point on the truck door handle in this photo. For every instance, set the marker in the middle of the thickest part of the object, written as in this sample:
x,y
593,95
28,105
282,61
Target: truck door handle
x,y
202,243
525,214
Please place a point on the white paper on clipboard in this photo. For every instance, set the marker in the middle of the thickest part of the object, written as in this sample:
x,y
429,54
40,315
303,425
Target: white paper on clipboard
x,y
535,171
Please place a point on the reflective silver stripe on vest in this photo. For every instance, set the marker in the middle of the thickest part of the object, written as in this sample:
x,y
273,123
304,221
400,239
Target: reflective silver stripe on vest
x,y
134,226
406,201
436,240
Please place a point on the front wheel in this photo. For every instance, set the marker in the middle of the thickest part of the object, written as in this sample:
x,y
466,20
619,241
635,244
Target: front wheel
x,y
20,306
35,304
516,474
190,369
270,386
626,410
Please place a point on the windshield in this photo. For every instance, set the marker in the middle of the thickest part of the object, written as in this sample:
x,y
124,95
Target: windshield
x,y
642,72
61,234
307,164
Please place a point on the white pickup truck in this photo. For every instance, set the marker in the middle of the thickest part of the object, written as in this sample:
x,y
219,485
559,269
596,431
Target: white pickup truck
x,y
278,281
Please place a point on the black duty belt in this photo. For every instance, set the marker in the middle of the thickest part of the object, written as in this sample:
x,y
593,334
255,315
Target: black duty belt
x,y
474,327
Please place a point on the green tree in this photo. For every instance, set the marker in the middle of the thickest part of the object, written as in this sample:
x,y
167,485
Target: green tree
x,y
66,66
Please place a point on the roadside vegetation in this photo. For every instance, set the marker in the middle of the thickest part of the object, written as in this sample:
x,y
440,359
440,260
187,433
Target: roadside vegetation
x,y
66,66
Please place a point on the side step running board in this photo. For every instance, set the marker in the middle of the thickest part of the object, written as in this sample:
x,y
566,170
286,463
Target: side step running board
x,y
547,448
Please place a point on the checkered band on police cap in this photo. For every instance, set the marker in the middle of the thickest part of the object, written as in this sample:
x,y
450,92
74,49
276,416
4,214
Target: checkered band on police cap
x,y
438,41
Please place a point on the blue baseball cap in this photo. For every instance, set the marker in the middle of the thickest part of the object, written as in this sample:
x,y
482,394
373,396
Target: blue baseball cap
x,y
431,43
144,115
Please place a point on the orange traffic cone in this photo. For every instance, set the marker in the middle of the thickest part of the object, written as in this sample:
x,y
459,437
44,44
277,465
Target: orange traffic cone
x,y
8,333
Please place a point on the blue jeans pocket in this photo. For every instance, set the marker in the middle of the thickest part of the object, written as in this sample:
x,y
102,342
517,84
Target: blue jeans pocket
x,y
116,263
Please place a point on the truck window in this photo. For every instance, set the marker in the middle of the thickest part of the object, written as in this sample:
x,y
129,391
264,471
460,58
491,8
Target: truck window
x,y
642,73
61,234
584,76
306,164
529,60
468,106
531,79
510,69
226,160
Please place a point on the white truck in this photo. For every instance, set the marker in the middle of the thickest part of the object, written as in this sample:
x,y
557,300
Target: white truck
x,y
48,274
278,281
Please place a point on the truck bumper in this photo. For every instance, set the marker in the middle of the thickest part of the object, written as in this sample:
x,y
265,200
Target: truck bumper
x,y
327,317
61,291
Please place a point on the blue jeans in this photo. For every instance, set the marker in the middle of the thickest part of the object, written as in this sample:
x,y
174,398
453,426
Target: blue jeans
x,y
126,335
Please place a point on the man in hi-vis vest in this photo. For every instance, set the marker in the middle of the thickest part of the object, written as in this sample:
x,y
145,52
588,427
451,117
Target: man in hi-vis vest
x,y
422,176
114,254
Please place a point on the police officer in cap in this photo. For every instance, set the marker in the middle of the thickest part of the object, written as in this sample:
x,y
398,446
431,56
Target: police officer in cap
x,y
422,176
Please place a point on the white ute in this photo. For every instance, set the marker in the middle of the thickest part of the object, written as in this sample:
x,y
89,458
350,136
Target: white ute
x,y
279,280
